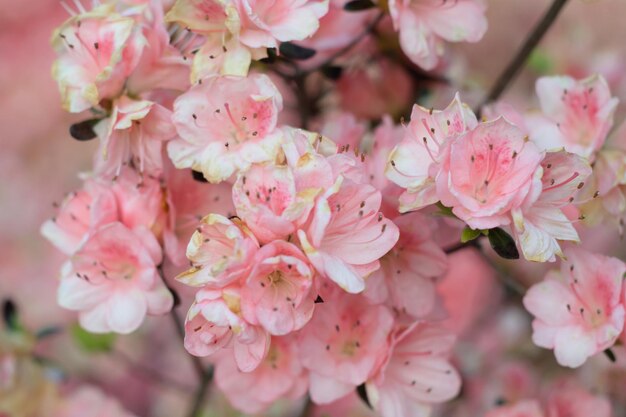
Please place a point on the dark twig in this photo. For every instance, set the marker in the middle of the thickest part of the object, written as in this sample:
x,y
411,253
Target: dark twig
x,y
520,58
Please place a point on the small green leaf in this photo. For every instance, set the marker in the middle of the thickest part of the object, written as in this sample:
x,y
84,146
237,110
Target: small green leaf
x,y
540,62
358,5
502,243
610,354
296,52
444,211
469,234
362,393
83,131
92,342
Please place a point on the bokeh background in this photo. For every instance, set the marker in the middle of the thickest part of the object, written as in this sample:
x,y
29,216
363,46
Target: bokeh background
x,y
39,163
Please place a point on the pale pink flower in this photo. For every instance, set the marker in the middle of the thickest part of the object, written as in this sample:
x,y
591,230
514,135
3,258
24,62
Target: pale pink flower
x,y
220,251
278,293
488,172
540,222
570,400
525,408
344,129
133,135
279,375
577,115
414,162
409,271
578,312
265,24
347,234
341,345
226,124
267,199
417,373
424,25
113,280
87,400
214,322
97,50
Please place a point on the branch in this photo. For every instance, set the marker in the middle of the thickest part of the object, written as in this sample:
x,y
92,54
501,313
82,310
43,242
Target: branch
x,y
520,58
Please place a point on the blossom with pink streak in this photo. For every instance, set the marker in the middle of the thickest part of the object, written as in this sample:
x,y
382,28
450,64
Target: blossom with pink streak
x,y
342,344
576,115
347,234
540,223
134,134
97,51
265,24
225,124
278,293
414,163
220,251
409,271
578,311
425,25
488,172
214,322
113,280
279,375
416,374
87,400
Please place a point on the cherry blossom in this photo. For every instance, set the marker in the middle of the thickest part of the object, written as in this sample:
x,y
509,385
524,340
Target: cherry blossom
x,y
113,280
578,311
87,399
226,124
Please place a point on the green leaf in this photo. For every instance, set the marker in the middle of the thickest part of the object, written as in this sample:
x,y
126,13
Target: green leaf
x,y
358,5
540,62
502,243
469,234
296,52
444,211
92,342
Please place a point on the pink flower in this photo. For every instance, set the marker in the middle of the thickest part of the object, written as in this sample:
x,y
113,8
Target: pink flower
x,y
488,172
265,24
578,312
134,134
416,374
526,408
409,271
87,400
214,322
413,163
347,234
341,345
113,280
278,293
220,251
97,50
424,25
226,124
279,375
540,223
577,115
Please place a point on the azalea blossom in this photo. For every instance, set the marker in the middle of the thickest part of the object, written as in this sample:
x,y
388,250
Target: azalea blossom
x,y
578,311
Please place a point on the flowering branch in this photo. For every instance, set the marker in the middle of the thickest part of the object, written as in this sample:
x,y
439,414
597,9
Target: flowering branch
x,y
520,58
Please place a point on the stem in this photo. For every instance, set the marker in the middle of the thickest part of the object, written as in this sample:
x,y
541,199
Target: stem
x,y
520,58
307,409
180,331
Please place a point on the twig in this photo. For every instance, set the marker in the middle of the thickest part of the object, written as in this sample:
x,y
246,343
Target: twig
x,y
520,58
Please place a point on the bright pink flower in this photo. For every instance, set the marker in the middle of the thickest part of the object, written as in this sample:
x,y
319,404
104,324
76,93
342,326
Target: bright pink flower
x,y
220,251
540,222
279,375
424,25
413,163
278,293
226,124
409,271
214,322
89,401
577,115
416,374
113,280
265,24
134,134
526,408
578,312
341,345
347,234
97,50
488,172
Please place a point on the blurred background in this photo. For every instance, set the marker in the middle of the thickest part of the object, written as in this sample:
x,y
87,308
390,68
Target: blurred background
x,y
39,163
